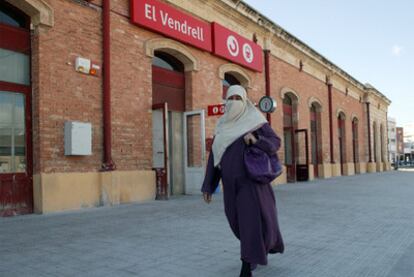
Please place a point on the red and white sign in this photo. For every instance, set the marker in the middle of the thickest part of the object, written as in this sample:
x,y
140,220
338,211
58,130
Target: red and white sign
x,y
215,109
171,22
233,47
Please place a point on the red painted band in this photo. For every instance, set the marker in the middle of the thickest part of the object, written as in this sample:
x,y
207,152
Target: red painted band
x,y
15,39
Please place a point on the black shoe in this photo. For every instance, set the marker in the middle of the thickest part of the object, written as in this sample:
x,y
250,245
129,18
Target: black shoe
x,y
273,251
245,270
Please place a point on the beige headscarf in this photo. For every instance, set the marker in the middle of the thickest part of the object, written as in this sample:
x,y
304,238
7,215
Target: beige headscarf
x,y
239,118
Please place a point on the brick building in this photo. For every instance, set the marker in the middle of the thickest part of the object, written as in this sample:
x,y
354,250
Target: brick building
x,y
400,143
392,139
409,142
141,75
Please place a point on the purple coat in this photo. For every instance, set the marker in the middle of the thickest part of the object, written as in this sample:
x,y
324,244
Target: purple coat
x,y
250,208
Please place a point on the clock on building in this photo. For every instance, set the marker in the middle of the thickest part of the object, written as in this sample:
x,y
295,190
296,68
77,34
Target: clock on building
x,y
267,104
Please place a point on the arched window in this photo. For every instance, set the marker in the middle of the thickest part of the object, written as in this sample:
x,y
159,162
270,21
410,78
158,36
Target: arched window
x,y
316,136
289,137
9,15
14,45
288,111
287,100
168,81
166,61
229,80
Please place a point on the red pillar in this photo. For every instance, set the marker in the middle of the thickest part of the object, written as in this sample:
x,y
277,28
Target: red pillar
x,y
369,132
330,123
267,80
107,164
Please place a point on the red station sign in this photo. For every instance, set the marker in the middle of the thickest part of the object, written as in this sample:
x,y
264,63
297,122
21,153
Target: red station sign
x,y
167,20
233,47
213,110
171,22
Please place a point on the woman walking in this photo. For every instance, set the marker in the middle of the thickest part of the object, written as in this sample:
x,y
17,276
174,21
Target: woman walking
x,y
250,207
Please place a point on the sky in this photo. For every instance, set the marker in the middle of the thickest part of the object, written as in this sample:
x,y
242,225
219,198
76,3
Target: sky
x,y
373,41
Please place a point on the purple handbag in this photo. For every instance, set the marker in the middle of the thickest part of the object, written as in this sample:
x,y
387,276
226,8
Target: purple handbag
x,y
260,166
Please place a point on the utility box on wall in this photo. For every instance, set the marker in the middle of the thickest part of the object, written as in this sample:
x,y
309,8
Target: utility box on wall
x,y
78,138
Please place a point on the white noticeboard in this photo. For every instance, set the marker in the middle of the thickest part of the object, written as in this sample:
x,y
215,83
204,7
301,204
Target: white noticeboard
x,y
78,138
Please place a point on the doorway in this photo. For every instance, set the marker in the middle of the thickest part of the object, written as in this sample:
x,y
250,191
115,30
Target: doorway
x,y
301,155
316,136
16,171
179,139
168,100
289,138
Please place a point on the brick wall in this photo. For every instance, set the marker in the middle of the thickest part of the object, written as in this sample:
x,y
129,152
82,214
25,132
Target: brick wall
x,y
61,94
306,86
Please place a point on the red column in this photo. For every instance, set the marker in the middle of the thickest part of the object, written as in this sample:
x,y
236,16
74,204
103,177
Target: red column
x,y
108,164
267,80
369,132
330,122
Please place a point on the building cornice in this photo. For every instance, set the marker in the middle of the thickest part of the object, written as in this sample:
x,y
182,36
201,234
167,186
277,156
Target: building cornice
x,y
246,17
277,31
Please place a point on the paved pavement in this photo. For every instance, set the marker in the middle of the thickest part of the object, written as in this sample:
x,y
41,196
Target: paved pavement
x,y
349,226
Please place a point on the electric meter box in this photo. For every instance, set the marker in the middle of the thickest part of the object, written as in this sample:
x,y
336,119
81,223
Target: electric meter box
x,y
83,65
78,138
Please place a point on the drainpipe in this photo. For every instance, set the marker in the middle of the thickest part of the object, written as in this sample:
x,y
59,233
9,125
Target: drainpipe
x,y
267,80
108,164
330,122
369,132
